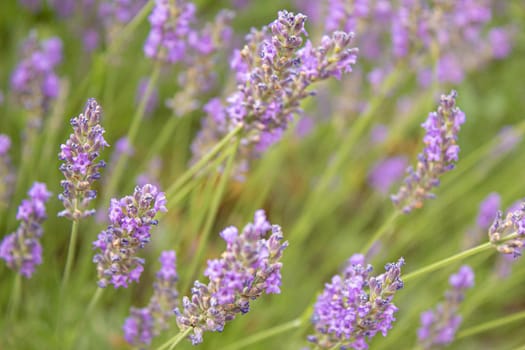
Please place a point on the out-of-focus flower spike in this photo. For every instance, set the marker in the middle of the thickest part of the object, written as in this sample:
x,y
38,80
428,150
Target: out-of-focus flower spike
x,y
21,249
438,157
7,174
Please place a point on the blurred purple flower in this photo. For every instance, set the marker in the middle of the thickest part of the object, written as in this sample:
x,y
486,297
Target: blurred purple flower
x,y
512,222
386,172
21,249
439,326
439,155
146,323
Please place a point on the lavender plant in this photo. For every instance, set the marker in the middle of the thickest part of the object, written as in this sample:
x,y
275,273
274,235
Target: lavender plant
x,y
321,167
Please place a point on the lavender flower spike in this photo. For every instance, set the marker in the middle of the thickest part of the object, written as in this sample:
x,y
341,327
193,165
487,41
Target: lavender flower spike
x,y
21,249
249,267
131,218
145,323
355,306
438,157
513,222
80,167
439,326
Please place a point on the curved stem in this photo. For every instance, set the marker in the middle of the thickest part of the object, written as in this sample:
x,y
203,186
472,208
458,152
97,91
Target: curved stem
x,y
70,255
173,342
500,322
465,254
172,190
267,333
93,302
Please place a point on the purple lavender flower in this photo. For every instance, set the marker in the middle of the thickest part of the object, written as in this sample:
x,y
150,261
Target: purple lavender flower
x,y
249,267
488,209
274,72
439,326
80,167
146,323
513,222
6,171
386,172
34,81
500,42
439,155
170,25
131,218
21,249
355,306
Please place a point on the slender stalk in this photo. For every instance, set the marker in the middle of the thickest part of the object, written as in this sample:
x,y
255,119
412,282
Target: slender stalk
x,y
388,223
465,254
15,297
93,302
70,254
172,190
132,133
164,137
173,342
214,206
267,333
497,323
336,346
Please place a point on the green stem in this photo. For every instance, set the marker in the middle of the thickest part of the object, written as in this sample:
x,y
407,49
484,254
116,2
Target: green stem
x,y
500,322
132,133
173,342
15,296
465,254
70,254
93,302
172,190
165,135
214,206
268,333
389,223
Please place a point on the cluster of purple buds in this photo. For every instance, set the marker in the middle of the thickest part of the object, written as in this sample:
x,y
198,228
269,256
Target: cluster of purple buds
x,y
6,171
131,218
80,167
438,157
34,81
170,26
144,324
512,223
249,267
21,249
439,326
386,172
356,306
274,71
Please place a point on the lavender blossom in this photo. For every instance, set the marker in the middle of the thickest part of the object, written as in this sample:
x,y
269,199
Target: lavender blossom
x,y
146,323
439,326
34,81
79,166
21,249
513,222
356,306
386,172
487,210
249,267
170,25
6,171
439,155
274,73
131,218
